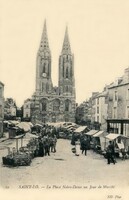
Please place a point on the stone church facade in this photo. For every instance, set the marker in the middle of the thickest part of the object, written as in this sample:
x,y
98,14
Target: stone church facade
x,y
54,104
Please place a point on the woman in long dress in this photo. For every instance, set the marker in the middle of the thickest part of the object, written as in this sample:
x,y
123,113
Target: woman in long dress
x,y
77,146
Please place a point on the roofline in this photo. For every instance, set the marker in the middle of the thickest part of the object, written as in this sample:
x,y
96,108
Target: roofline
x,y
1,83
118,85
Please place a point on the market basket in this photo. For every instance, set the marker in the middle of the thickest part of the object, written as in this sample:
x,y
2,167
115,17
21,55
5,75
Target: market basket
x,y
73,150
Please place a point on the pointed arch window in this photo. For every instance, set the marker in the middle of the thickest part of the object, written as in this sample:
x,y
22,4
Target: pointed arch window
x,y
63,70
67,88
44,68
71,72
67,72
56,105
47,87
42,87
67,105
44,105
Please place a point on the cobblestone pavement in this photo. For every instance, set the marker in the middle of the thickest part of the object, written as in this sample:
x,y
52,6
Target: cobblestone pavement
x,y
64,168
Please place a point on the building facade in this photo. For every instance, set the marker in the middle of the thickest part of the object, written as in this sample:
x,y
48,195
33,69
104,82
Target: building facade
x,y
27,108
118,105
53,104
92,103
100,108
10,108
1,108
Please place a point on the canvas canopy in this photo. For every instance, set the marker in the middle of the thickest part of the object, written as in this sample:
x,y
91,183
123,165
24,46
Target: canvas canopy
x,y
38,125
6,122
120,145
91,132
19,136
113,136
80,129
24,125
98,134
31,125
29,135
14,122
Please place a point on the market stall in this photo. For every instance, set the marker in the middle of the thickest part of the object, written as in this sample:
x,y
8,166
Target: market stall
x,y
99,141
120,142
89,135
16,157
77,133
15,131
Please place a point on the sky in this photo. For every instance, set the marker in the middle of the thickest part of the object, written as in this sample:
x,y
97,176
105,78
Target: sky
x,y
98,33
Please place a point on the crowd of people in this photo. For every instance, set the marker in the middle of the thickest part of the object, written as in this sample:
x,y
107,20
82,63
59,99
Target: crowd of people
x,y
47,140
47,144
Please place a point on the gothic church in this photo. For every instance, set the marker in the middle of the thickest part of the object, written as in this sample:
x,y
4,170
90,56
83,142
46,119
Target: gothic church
x,y
54,104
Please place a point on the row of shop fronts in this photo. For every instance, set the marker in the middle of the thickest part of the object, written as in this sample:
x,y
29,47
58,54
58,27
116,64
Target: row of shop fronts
x,y
99,140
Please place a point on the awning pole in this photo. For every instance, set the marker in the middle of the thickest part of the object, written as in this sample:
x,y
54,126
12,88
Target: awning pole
x,y
17,145
21,142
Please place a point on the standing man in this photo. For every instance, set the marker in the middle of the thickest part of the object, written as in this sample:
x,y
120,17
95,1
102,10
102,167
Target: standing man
x,y
84,146
46,144
110,153
54,143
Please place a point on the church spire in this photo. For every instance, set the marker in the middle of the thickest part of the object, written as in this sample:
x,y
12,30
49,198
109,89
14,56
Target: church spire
x,y
44,45
66,44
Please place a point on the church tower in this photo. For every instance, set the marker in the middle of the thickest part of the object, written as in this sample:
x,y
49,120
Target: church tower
x,y
43,65
54,104
66,69
66,81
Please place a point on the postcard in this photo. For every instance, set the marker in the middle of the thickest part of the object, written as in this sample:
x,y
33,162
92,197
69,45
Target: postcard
x,y
64,95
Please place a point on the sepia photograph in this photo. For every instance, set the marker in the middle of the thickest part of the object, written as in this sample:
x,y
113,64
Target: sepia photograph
x,y
64,99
